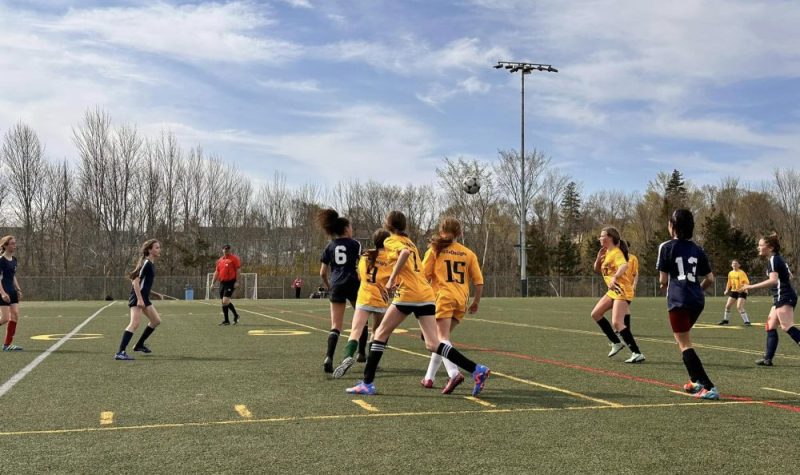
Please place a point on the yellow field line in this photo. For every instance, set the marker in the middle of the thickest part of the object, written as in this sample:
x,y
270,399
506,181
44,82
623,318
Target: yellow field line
x,y
365,405
372,415
495,373
106,418
654,340
782,391
243,411
480,401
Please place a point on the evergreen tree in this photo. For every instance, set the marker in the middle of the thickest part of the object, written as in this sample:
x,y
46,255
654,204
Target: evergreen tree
x,y
571,209
675,194
568,256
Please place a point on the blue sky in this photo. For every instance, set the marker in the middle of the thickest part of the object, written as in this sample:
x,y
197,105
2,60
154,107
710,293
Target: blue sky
x,y
329,90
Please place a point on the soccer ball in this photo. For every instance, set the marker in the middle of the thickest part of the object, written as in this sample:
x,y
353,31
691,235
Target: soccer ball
x,y
471,185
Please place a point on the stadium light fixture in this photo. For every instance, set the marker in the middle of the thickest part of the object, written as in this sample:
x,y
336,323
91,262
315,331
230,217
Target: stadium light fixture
x,y
526,68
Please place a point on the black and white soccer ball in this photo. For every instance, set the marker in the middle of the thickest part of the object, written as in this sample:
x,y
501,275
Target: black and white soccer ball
x,y
471,185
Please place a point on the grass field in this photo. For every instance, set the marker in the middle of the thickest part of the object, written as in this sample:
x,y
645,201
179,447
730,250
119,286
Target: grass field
x,y
253,398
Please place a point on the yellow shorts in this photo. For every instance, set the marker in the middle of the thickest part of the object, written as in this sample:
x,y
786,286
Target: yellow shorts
x,y
450,309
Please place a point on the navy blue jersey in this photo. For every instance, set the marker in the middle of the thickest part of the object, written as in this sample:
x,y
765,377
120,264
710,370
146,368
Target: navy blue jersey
x,y
784,289
687,264
342,256
8,269
147,274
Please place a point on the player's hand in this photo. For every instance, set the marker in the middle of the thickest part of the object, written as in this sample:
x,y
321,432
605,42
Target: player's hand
x,y
744,288
601,253
140,303
726,292
392,284
473,308
613,286
19,295
6,298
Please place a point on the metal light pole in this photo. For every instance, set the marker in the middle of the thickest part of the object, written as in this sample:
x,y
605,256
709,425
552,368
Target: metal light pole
x,y
523,68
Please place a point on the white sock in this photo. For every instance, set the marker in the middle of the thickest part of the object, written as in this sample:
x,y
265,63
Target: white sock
x,y
727,315
433,366
744,317
452,369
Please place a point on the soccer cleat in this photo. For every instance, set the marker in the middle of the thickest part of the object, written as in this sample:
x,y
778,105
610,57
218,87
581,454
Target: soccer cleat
x,y
692,388
122,356
747,324
615,348
362,388
346,364
223,323
452,384
480,375
12,347
723,322
327,365
704,393
362,358
143,349
426,383
635,358
236,319
764,362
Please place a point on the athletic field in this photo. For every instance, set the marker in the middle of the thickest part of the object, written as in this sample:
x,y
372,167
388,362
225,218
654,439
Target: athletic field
x,y
253,397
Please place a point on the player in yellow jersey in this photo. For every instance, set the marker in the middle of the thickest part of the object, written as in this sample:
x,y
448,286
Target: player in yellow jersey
x,y
737,278
373,272
633,276
450,267
412,294
612,263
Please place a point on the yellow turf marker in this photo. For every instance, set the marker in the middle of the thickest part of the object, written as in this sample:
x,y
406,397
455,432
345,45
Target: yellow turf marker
x,y
336,417
479,401
58,336
365,405
277,333
782,391
243,411
106,418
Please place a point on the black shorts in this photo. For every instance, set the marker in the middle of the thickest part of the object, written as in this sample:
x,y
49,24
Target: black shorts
x,y
791,301
226,288
683,319
345,292
13,298
417,310
739,295
145,298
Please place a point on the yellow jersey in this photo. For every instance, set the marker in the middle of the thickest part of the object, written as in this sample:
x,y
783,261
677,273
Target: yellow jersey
x,y
413,288
611,263
373,279
736,279
633,271
450,272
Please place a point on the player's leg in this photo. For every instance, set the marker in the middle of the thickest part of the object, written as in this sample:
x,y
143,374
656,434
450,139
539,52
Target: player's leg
x,y
360,318
12,318
682,321
154,320
337,320
443,320
455,378
786,318
229,293
740,307
391,320
772,325
136,316
618,311
726,317
226,302
598,314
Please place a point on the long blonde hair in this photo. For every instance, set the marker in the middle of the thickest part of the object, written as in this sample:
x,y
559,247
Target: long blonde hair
x,y
4,242
144,253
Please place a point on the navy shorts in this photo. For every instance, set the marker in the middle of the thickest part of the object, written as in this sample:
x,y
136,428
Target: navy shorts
x,y
13,298
791,301
417,310
739,295
683,319
345,292
226,288
145,298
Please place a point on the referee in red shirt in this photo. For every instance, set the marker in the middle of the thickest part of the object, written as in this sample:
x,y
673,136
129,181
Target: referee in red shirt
x,y
226,273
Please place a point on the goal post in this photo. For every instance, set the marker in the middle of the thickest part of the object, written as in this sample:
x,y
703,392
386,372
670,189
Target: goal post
x,y
248,286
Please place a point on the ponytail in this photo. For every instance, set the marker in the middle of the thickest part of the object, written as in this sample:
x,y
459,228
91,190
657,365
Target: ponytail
x,y
333,224
378,237
449,231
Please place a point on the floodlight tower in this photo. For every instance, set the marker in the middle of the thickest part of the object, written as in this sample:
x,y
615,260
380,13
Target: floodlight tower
x,y
524,69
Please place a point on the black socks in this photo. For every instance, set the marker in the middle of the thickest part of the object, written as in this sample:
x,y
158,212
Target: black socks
x,y
452,354
606,327
333,338
695,368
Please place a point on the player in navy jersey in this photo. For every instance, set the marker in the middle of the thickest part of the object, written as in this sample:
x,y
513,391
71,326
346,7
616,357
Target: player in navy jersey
x,y
784,297
142,278
9,291
680,263
339,274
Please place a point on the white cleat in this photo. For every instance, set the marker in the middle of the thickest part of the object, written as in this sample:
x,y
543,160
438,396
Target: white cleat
x,y
635,358
615,348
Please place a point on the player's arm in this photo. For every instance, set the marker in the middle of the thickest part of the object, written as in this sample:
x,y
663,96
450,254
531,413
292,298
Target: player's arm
x,y
3,293
16,287
238,271
663,279
635,279
612,284
215,278
598,263
324,271
771,281
402,258
137,284
707,281
473,308
727,286
429,265
746,281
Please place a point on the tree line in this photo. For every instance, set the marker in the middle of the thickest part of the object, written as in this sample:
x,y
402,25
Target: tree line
x,y
86,217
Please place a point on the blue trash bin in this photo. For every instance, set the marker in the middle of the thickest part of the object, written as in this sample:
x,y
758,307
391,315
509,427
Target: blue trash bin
x,y
188,292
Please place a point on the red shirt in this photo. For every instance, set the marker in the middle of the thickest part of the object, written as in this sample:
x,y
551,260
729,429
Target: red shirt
x,y
227,267
298,283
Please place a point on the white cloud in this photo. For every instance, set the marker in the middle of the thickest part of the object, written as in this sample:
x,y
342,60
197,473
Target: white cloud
x,y
299,3
206,32
438,93
294,86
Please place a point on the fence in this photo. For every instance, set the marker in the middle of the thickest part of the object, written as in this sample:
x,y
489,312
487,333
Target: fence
x,y
269,287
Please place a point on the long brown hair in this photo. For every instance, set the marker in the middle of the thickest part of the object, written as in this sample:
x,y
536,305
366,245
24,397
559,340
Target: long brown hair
x,y
144,253
378,237
4,242
333,224
770,240
395,223
449,231
613,233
